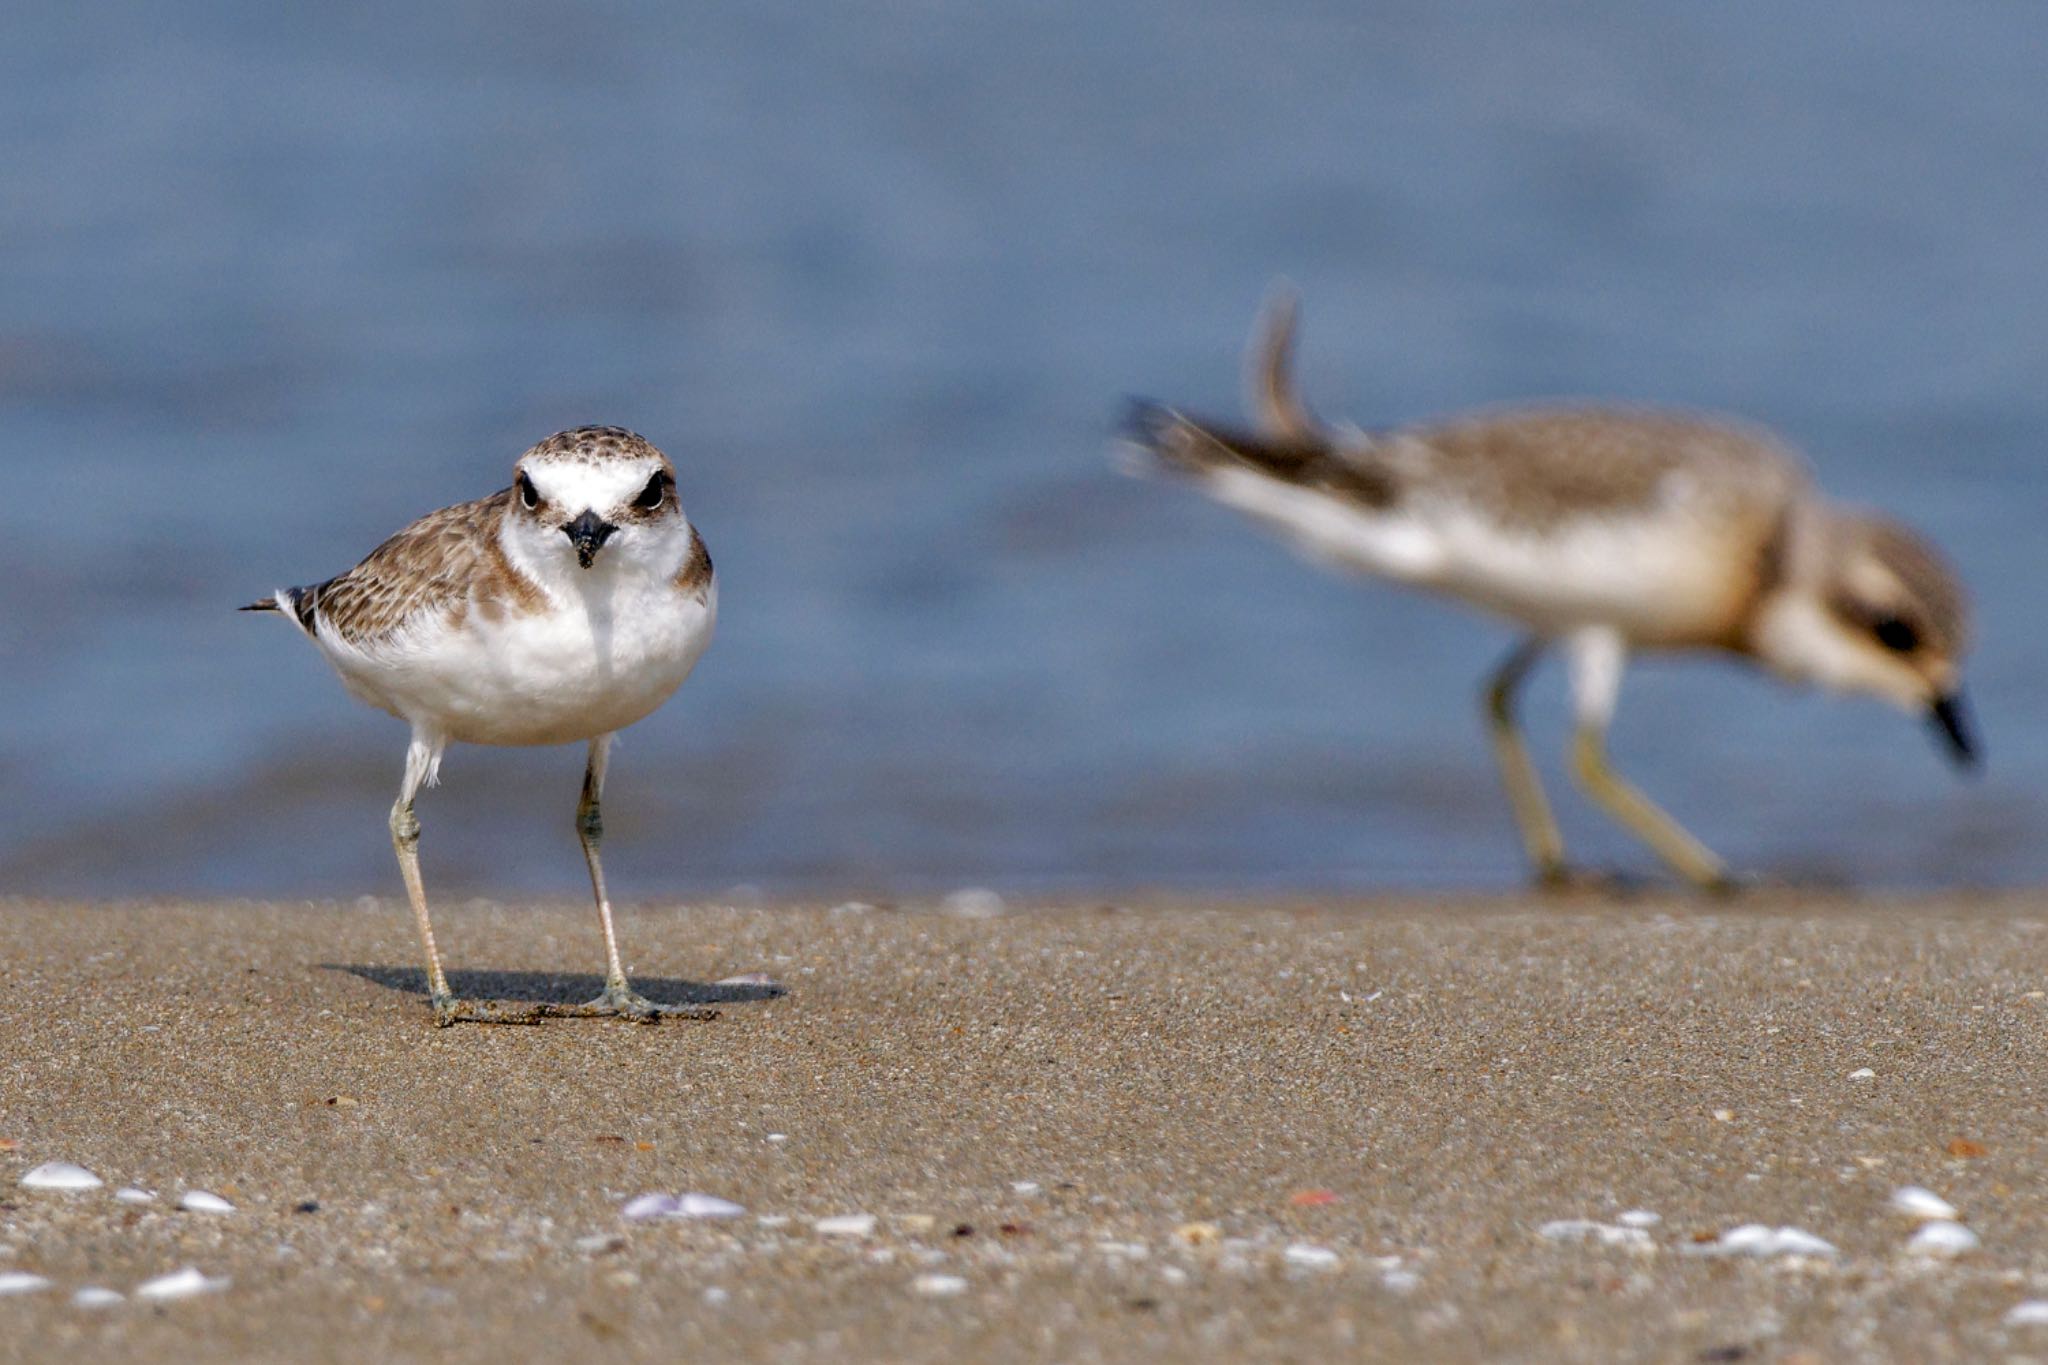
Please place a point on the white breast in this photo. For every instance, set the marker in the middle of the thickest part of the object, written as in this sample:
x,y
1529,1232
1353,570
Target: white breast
x,y
597,660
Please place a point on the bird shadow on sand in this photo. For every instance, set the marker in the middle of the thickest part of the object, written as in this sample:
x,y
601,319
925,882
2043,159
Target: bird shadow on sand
x,y
559,988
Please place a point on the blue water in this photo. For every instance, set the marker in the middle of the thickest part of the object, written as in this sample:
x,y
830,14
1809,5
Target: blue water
x,y
276,279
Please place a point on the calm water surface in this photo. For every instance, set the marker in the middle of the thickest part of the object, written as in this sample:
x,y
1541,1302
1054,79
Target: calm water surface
x,y
277,279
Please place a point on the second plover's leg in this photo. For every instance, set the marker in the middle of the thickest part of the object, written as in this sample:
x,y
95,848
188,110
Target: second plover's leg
x,y
1525,790
421,758
1597,657
619,998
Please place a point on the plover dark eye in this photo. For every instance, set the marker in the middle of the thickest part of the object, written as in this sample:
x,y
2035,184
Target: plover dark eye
x,y
651,496
529,496
1900,637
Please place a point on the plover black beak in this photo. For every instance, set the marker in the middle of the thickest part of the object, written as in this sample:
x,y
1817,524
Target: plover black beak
x,y
1951,718
588,533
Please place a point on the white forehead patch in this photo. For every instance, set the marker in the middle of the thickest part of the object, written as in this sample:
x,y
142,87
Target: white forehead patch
x,y
577,486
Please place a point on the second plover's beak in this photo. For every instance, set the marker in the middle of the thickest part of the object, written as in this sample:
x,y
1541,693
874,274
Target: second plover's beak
x,y
588,533
1951,719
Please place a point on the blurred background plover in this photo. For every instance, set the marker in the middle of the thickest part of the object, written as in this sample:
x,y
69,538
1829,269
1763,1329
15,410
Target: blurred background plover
x,y
561,609
1600,531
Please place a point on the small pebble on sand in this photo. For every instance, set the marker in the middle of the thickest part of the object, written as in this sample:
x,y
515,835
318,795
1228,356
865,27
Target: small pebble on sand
x,y
642,1207
939,1286
1310,1256
1763,1242
1639,1218
1919,1202
179,1284
97,1296
131,1195
204,1201
1603,1234
1941,1238
694,1204
2032,1313
60,1175
1863,1073
21,1282
846,1225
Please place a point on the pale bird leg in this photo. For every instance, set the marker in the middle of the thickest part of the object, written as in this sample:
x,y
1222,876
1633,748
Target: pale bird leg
x,y
405,840
1597,657
1525,790
619,998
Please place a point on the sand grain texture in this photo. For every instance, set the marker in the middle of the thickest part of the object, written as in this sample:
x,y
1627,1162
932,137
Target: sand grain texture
x,y
1178,1083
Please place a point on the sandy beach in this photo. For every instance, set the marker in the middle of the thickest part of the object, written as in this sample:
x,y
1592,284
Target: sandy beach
x,y
1399,1130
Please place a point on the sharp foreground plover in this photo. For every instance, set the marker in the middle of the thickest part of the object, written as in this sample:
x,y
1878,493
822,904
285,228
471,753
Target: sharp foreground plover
x,y
1600,530
563,608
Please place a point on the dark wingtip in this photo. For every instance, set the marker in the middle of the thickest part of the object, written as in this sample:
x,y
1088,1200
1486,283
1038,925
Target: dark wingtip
x,y
1143,434
1144,420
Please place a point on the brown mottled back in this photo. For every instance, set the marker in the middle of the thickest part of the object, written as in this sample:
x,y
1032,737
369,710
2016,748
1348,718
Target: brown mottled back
x,y
1538,468
432,567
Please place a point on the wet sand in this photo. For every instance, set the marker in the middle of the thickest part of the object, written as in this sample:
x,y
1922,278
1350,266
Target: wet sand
x,y
1217,1131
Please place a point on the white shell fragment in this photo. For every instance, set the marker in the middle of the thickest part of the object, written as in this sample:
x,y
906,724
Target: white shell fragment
x,y
1755,1239
21,1282
1310,1255
1586,1230
97,1296
204,1201
1639,1218
130,1195
1863,1073
1919,1202
1942,1238
746,979
939,1286
60,1175
845,1225
642,1207
695,1205
2032,1313
179,1284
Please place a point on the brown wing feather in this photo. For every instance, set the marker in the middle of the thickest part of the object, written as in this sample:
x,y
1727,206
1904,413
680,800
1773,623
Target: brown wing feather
x,y
435,566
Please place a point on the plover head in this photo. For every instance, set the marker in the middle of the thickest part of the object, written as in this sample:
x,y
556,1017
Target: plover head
x,y
595,493
1869,606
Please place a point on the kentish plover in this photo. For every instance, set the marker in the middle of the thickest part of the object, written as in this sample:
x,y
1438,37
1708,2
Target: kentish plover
x,y
1600,530
561,609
